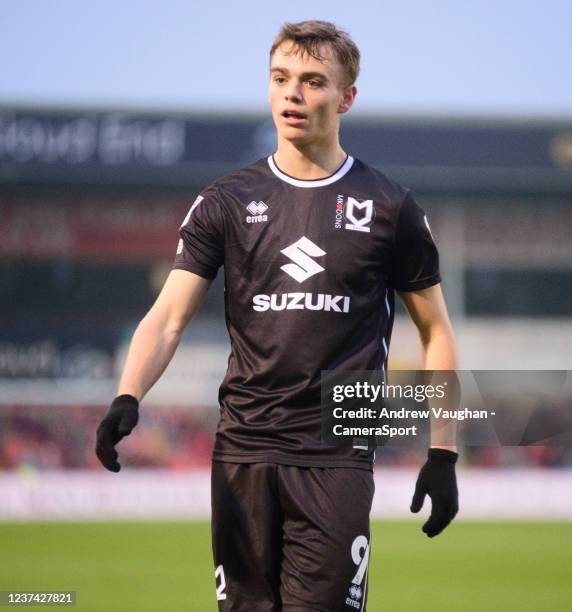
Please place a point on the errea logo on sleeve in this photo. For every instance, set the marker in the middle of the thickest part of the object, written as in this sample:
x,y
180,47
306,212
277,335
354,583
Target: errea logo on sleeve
x,y
257,210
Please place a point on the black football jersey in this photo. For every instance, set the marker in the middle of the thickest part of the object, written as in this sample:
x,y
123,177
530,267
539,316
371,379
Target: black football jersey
x,y
310,268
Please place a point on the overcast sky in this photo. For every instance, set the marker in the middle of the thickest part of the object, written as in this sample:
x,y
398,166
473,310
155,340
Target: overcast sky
x,y
497,57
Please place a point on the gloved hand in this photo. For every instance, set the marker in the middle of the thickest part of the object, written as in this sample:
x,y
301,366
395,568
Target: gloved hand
x,y
119,421
438,480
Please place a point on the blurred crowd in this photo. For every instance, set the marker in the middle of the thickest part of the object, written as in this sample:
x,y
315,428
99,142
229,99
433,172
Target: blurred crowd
x,y
56,437
181,438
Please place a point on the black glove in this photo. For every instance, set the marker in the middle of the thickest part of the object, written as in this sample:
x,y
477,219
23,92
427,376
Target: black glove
x,y
120,420
437,479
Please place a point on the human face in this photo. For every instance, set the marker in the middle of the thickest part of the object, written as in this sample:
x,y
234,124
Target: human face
x,y
306,95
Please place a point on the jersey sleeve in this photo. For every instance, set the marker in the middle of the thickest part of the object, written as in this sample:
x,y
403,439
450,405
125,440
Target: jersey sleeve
x,y
201,245
415,262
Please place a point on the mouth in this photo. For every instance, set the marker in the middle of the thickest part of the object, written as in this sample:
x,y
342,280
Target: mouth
x,y
293,117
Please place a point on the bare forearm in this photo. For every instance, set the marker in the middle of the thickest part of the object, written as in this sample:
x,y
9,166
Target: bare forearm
x,y
440,355
152,348
157,336
439,350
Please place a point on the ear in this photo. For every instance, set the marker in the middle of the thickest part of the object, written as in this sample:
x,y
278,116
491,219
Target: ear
x,y
349,95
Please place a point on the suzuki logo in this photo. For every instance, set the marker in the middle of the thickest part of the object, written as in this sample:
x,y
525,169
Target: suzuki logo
x,y
301,253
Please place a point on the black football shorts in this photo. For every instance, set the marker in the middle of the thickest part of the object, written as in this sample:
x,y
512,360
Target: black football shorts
x,y
290,539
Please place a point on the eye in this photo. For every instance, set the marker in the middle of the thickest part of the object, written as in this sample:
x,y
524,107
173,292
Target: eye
x,y
279,80
314,83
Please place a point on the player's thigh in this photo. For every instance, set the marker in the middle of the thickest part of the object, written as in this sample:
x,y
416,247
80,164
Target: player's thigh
x,y
326,538
246,537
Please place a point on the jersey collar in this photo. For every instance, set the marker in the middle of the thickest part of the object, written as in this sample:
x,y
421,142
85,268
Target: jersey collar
x,y
328,180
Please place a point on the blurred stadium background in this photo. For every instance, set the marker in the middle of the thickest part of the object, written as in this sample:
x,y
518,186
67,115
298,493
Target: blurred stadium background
x,y
90,205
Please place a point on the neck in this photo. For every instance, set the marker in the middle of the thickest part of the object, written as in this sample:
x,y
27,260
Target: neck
x,y
311,162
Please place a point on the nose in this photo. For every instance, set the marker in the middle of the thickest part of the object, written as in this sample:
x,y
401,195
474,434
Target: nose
x,y
293,93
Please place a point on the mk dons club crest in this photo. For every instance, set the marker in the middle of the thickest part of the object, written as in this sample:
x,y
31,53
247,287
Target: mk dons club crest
x,y
359,215
356,216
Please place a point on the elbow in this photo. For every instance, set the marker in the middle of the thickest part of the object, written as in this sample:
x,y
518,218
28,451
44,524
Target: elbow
x,y
442,332
174,329
168,327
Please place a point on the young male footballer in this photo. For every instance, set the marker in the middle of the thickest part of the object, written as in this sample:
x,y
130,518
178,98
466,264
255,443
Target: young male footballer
x,y
314,244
